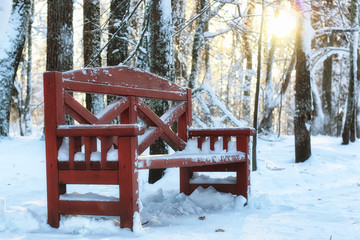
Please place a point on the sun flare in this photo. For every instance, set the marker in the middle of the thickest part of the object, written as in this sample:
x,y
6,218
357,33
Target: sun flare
x,y
282,25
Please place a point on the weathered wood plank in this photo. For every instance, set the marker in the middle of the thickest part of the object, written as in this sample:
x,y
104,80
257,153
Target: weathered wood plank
x,y
100,88
100,130
222,132
107,208
163,161
88,177
122,76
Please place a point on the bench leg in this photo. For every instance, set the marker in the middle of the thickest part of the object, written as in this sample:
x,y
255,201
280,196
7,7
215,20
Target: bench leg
x,y
185,176
53,204
243,171
128,183
242,179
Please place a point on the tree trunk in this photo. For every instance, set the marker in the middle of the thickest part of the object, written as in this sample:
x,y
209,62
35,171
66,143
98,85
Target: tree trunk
x,y
92,41
197,43
327,93
17,98
117,50
358,99
349,126
179,8
246,102
27,113
161,63
143,58
266,124
60,43
60,36
11,48
303,105
257,91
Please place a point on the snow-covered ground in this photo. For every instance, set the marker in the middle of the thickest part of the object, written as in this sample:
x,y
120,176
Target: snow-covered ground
x,y
318,199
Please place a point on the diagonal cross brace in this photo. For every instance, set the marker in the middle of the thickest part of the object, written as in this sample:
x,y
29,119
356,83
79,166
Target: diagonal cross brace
x,y
160,126
84,116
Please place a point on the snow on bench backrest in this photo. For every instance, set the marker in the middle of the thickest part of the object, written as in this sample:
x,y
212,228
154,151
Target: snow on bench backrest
x,y
124,81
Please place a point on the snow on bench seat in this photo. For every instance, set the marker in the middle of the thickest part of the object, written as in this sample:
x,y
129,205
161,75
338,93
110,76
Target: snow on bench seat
x,y
187,160
189,157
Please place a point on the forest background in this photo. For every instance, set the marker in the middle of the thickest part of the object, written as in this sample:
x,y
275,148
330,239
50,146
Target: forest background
x,y
282,66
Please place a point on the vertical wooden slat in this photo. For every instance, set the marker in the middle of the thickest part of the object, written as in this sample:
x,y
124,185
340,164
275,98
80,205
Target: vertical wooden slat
x,y
189,107
243,172
129,115
185,176
182,127
106,143
87,154
128,175
74,147
90,146
183,123
212,143
54,115
200,141
226,140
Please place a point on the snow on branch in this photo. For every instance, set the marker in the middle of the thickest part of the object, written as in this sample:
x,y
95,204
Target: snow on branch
x,y
328,30
120,25
203,11
322,54
206,104
212,35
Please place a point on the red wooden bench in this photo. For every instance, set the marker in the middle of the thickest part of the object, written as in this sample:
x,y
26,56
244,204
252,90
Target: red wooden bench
x,y
95,134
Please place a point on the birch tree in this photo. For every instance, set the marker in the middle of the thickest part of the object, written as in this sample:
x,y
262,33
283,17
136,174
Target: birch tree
x,y
11,49
27,112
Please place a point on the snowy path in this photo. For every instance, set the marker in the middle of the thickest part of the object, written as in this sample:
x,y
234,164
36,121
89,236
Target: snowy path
x,y
318,199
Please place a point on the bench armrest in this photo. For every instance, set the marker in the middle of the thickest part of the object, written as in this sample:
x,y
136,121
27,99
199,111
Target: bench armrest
x,y
84,130
209,132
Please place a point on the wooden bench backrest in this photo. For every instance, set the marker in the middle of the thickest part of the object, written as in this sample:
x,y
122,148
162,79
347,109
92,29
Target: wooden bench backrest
x,y
131,86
